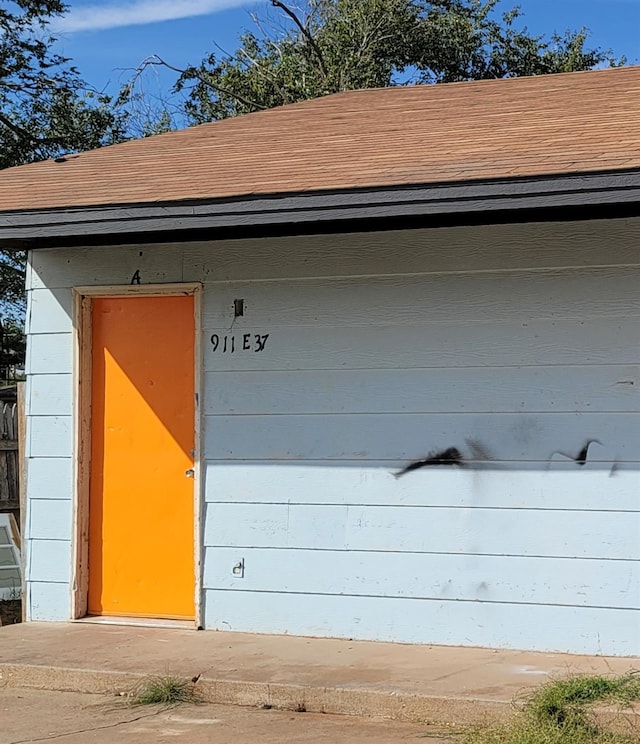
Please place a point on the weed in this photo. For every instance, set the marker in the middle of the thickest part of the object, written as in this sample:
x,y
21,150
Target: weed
x,y
565,711
10,611
165,690
568,702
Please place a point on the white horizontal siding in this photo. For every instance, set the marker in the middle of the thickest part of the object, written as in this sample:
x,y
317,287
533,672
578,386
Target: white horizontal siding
x,y
412,300
50,478
531,389
359,377
49,519
277,526
49,395
584,630
488,345
427,529
49,354
50,311
357,483
54,268
437,577
505,437
48,601
518,341
28,274
448,249
49,436
50,561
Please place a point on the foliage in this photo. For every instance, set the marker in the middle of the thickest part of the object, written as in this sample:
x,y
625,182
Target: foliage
x,y
166,690
12,284
337,45
11,611
564,711
463,40
12,351
45,109
12,308
565,702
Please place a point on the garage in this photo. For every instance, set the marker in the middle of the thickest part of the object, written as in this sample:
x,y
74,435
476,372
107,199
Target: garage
x,y
365,383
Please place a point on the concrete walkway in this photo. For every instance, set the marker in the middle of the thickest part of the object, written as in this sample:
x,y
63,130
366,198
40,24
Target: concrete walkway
x,y
440,684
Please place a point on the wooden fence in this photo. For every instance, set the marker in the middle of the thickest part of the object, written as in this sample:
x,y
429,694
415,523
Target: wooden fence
x,y
10,455
12,483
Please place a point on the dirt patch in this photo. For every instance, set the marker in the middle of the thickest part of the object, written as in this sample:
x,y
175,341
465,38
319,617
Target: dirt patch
x,y
10,611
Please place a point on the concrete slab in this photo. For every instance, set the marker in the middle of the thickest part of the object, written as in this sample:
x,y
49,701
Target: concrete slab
x,y
442,684
71,718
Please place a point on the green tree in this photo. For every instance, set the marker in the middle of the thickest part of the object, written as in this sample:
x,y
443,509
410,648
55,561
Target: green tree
x,y
45,106
12,350
46,109
337,45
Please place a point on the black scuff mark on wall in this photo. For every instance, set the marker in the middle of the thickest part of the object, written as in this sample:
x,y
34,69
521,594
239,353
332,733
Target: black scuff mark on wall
x,y
581,458
479,451
449,456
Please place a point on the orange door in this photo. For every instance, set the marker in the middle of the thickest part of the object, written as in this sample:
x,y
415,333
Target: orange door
x,y
141,502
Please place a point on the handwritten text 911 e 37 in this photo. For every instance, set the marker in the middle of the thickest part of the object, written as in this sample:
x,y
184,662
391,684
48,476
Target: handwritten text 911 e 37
x,y
245,342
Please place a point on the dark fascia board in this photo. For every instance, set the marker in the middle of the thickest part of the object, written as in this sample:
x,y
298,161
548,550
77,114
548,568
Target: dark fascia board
x,y
585,190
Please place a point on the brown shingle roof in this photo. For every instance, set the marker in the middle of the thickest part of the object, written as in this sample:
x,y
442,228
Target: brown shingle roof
x,y
578,122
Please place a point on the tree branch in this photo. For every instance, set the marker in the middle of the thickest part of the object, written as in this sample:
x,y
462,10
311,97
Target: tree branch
x,y
304,31
23,134
270,78
155,60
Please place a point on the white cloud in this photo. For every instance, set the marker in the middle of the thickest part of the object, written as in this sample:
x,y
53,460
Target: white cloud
x,y
140,12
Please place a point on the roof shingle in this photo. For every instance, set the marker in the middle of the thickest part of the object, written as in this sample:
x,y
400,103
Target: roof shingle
x,y
520,127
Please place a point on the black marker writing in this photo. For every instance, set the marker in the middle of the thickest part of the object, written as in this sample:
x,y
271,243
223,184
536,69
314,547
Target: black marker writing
x,y
252,342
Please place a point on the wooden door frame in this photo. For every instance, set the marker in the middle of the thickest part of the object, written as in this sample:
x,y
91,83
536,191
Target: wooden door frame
x,y
82,325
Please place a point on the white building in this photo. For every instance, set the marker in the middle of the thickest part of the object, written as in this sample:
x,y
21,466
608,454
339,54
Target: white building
x,y
240,335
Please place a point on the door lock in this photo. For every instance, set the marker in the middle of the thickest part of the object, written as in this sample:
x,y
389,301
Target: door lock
x,y
190,473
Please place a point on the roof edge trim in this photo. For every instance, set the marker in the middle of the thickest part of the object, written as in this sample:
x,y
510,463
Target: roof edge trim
x,y
580,190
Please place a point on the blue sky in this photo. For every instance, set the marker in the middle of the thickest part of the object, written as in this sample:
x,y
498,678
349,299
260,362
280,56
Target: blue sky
x,y
107,39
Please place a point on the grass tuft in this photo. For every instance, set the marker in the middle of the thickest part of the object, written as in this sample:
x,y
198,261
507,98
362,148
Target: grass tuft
x,y
165,690
568,702
570,711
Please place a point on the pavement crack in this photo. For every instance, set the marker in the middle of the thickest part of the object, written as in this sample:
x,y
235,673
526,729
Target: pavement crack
x,y
52,737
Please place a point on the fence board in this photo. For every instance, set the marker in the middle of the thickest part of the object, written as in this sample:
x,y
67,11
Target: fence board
x,y
9,463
